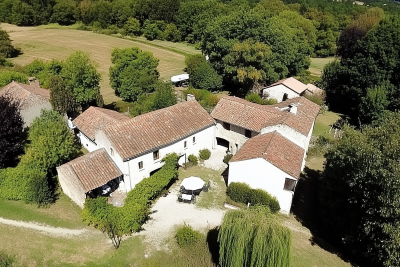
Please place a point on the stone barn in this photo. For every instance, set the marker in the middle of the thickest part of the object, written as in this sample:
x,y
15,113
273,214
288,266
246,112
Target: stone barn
x,y
32,97
89,176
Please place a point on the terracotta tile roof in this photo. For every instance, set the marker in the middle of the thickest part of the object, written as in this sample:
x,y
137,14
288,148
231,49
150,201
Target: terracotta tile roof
x,y
95,119
23,92
93,170
254,117
293,84
314,89
275,149
156,129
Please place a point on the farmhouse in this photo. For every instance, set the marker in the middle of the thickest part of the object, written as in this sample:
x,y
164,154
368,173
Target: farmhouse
x,y
269,143
284,89
32,99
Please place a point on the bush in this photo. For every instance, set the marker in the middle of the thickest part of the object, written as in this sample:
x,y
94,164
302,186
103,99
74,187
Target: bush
x,y
192,159
186,236
206,99
242,193
7,77
204,154
255,98
227,158
318,99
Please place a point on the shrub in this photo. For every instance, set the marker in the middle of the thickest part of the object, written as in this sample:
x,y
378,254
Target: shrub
x,y
204,154
206,99
8,76
318,99
241,192
227,158
192,159
186,236
255,98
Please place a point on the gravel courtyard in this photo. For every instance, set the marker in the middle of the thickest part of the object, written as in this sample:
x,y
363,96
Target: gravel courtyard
x,y
168,213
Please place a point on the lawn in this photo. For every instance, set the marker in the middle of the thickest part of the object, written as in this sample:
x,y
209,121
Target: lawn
x,y
318,64
324,122
59,43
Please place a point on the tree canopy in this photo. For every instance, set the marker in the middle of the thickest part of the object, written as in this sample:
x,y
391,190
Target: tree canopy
x,y
360,191
134,72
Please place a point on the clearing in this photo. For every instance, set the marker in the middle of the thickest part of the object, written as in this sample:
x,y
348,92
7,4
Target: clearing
x,y
318,64
48,43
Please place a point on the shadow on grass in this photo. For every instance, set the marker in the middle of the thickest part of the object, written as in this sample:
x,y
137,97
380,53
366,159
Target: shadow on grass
x,y
213,245
306,210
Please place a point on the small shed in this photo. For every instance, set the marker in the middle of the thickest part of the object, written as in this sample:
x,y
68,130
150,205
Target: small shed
x,y
180,78
82,177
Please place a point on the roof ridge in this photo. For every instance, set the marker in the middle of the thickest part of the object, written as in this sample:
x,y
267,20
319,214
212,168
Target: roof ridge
x,y
267,108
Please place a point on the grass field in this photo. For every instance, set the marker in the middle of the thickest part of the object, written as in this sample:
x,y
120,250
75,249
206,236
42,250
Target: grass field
x,y
59,43
318,64
323,123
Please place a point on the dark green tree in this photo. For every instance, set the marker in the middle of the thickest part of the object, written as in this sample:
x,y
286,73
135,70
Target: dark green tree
x,y
11,130
132,27
61,97
7,77
164,95
6,48
64,13
360,191
134,72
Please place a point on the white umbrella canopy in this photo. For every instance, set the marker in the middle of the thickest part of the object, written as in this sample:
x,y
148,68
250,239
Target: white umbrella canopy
x,y
192,183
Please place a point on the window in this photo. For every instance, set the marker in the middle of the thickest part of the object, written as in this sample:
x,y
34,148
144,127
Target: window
x,y
156,154
247,133
140,165
111,151
285,97
227,126
290,184
194,139
185,144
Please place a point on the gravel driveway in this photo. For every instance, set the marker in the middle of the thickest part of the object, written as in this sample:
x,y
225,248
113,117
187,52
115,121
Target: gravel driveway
x,y
168,214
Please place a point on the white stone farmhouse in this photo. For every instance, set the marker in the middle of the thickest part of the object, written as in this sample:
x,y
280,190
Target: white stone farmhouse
x,y
284,89
269,143
32,99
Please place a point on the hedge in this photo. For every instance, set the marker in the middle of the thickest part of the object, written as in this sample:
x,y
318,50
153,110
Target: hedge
x,y
133,214
242,193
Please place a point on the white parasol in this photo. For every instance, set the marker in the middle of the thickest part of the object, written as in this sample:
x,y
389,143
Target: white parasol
x,y
192,183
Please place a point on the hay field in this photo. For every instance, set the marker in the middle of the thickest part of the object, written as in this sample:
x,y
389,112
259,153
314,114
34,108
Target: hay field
x,y
318,64
46,44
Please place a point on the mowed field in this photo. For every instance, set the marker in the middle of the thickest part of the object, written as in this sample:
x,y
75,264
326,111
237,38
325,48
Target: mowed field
x,y
318,64
46,44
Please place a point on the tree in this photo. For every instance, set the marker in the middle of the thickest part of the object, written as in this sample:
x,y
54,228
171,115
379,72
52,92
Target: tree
x,y
164,95
134,72
6,48
64,13
82,78
61,97
11,129
132,27
171,33
253,238
360,191
7,77
22,14
205,77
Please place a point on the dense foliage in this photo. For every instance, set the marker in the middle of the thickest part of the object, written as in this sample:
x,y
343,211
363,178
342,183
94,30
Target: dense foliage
x,y
7,50
206,99
61,98
50,144
186,236
204,154
365,83
253,238
129,218
201,74
11,131
7,77
134,72
242,193
192,160
256,98
360,191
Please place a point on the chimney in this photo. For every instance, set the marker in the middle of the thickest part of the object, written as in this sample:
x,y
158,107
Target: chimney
x,y
33,81
190,97
293,109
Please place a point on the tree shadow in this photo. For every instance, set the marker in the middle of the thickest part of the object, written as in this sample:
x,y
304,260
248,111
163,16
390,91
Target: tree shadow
x,y
306,209
213,244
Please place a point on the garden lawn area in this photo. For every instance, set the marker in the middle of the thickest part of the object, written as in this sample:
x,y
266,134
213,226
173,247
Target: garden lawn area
x,y
318,64
60,42
216,195
323,123
64,213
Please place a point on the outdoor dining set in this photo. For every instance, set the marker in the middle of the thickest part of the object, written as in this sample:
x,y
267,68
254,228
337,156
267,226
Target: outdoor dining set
x,y
190,188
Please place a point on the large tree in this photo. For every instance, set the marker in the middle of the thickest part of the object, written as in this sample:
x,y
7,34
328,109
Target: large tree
x,y
134,72
61,97
11,129
360,191
6,48
82,78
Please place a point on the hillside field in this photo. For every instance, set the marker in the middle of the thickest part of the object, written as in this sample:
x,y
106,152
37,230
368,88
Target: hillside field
x,y
59,42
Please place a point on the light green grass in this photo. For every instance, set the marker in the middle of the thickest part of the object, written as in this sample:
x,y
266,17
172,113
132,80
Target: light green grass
x,y
318,64
216,195
324,122
64,213
46,44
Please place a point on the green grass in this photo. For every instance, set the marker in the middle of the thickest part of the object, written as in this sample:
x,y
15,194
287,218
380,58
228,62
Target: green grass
x,y
323,123
64,213
216,195
58,43
318,64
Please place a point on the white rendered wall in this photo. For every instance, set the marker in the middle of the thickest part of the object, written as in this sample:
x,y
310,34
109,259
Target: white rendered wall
x,y
130,169
235,136
87,143
259,173
288,132
278,91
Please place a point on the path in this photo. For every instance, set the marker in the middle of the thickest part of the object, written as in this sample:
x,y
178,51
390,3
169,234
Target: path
x,y
54,231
